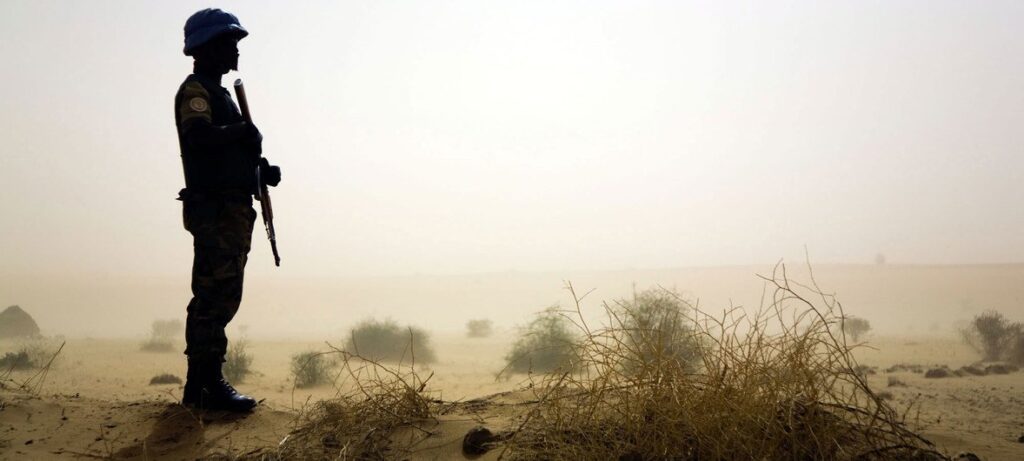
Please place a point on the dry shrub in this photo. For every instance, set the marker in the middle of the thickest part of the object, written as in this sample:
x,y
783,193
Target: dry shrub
x,y
366,419
237,361
16,361
386,341
855,327
778,385
310,369
1016,353
479,328
545,345
162,334
656,326
37,356
29,354
994,336
166,328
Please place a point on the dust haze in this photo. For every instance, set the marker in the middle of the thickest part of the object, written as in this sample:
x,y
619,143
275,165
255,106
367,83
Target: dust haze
x,y
458,161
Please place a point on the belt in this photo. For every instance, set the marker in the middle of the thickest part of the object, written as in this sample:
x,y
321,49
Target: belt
x,y
231,195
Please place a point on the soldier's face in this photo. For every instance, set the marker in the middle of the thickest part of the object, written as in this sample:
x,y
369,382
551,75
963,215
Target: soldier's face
x,y
223,52
227,52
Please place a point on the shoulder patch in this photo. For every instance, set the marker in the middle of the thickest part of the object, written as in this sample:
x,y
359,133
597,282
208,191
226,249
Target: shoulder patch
x,y
195,103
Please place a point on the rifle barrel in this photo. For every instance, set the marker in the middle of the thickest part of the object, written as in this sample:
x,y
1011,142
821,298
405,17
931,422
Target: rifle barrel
x,y
262,194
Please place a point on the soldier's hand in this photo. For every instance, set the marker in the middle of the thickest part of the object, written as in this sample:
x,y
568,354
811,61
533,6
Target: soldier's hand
x,y
271,174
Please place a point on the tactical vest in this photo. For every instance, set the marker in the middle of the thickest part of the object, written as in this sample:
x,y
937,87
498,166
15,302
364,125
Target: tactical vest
x,y
225,170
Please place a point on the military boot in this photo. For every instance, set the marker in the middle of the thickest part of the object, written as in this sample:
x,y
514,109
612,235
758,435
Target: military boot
x,y
194,381
206,388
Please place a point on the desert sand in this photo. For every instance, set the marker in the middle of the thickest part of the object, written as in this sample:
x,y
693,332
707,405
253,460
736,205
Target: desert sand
x,y
96,401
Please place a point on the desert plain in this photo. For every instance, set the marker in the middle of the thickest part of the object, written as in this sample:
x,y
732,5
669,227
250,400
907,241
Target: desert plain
x,y
96,400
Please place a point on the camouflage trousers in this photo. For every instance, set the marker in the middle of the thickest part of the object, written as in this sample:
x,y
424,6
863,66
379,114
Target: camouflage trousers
x,y
221,236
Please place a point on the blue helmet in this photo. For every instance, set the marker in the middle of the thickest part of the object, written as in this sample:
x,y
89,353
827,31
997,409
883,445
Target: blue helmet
x,y
205,25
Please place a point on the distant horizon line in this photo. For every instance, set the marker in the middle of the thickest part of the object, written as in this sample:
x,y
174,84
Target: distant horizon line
x,y
185,274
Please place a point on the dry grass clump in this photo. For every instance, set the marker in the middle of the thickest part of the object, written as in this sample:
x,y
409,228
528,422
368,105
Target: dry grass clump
x,y
36,357
778,385
378,413
237,361
655,326
547,344
479,328
311,369
996,338
386,341
29,354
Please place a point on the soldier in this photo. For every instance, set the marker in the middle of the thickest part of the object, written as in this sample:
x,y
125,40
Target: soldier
x,y
219,152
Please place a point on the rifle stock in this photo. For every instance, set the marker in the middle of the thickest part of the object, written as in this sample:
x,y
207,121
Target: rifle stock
x,y
262,192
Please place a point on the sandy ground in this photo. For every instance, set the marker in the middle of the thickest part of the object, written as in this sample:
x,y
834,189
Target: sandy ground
x,y
97,403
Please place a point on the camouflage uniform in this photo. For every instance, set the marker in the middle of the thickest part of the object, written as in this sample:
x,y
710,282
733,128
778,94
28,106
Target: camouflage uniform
x,y
217,203
221,232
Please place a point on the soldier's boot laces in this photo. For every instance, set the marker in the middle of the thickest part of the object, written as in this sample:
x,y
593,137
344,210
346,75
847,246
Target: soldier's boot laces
x,y
206,388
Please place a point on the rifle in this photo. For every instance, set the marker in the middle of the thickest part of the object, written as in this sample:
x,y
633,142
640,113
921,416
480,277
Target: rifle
x,y
262,193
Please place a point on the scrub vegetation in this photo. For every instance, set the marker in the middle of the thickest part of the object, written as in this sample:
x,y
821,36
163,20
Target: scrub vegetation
x,y
779,384
162,334
996,338
237,361
479,328
546,344
660,379
387,341
310,369
855,327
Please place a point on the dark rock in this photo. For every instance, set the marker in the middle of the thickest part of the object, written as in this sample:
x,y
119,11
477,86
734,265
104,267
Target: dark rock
x,y
967,456
165,378
477,441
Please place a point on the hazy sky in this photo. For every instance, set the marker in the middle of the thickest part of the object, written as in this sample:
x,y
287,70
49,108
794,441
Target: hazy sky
x,y
472,136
